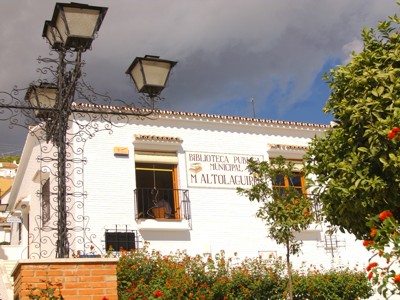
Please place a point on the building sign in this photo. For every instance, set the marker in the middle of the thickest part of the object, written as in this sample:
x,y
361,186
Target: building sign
x,y
6,220
219,170
14,220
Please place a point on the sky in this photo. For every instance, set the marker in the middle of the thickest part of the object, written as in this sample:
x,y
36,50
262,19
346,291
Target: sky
x,y
228,52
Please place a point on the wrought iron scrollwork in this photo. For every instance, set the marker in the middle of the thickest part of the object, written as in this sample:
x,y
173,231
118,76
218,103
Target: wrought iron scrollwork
x,y
60,135
63,112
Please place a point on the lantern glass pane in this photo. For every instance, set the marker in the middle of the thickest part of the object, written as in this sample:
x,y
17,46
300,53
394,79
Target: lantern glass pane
x,y
137,76
61,27
41,97
81,22
52,35
47,97
156,72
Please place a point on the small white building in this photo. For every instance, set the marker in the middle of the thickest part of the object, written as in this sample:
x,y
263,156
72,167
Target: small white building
x,y
169,180
8,169
7,174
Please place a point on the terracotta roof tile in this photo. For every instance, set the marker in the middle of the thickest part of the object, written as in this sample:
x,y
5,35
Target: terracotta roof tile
x,y
240,119
7,165
115,109
5,185
155,138
287,147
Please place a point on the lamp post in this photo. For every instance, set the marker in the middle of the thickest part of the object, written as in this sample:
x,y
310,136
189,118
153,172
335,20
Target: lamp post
x,y
72,29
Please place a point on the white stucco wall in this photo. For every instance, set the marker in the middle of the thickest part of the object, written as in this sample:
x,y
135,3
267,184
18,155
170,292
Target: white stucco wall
x,y
221,219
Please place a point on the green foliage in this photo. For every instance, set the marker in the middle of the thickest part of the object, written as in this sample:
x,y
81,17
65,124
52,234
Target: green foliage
x,y
10,159
50,291
151,275
384,243
283,210
355,165
333,284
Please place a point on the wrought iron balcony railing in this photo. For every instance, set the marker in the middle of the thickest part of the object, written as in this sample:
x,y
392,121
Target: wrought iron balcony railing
x,y
154,203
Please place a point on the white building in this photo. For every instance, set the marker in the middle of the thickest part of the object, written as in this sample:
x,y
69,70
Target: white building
x,y
8,169
193,162
7,174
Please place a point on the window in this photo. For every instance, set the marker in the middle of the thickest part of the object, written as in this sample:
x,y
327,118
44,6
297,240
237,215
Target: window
x,y
120,240
157,195
156,190
20,233
297,181
46,202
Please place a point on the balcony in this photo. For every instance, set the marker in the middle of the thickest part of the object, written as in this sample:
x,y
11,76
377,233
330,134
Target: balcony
x,y
162,209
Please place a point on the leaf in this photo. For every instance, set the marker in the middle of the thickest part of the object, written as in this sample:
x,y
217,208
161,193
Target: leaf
x,y
356,184
363,149
383,161
392,156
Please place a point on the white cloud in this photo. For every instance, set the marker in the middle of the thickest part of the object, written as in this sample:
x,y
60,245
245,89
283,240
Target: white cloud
x,y
355,46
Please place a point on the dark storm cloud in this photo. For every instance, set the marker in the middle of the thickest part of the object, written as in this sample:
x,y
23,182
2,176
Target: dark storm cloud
x,y
228,51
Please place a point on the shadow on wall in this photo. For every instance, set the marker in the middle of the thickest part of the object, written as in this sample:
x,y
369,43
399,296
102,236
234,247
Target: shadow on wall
x,y
11,252
3,254
183,235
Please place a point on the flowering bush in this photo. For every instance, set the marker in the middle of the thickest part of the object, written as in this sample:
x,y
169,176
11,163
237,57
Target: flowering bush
x,y
393,134
148,274
385,244
333,284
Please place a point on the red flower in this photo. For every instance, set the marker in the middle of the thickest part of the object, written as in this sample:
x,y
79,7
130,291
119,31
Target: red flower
x,y
366,243
104,298
370,274
385,214
373,232
397,278
158,294
371,265
392,133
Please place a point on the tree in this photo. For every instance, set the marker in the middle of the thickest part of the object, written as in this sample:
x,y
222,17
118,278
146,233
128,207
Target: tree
x,y
10,159
356,166
284,210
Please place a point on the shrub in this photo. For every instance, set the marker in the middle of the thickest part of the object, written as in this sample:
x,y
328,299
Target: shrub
x,y
333,284
150,275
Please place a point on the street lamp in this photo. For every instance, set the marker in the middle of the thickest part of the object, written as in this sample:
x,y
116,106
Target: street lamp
x,y
43,97
74,25
72,29
150,74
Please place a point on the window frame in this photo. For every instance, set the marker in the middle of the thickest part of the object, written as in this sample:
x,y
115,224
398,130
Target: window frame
x,y
287,184
111,233
160,161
